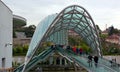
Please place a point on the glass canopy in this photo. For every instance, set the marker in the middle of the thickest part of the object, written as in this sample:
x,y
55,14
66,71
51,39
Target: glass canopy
x,y
55,28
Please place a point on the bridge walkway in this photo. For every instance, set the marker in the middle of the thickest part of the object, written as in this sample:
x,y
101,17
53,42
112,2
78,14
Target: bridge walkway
x,y
103,65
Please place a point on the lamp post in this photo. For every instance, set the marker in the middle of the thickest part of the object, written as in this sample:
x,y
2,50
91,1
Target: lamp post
x,y
7,44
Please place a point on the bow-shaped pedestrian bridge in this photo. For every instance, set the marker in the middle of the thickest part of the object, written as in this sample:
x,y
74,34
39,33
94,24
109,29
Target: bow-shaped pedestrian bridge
x,y
55,29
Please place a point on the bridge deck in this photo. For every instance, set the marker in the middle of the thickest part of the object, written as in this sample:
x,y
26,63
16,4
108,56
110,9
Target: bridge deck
x,y
103,65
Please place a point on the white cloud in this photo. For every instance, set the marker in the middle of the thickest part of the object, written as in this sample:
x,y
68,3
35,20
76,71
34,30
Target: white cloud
x,y
103,11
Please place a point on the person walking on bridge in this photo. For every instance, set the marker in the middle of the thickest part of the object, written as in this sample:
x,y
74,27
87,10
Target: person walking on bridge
x,y
90,60
39,69
96,60
81,51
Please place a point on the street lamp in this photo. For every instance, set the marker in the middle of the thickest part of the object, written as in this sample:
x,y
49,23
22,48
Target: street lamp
x,y
8,44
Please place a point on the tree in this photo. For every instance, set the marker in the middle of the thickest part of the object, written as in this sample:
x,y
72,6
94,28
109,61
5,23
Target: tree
x,y
77,41
29,31
116,31
110,30
99,30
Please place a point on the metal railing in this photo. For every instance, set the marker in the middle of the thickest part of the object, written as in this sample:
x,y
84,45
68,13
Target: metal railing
x,y
103,65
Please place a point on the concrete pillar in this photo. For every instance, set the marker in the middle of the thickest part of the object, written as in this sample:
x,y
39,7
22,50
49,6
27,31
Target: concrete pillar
x,y
75,67
65,62
51,60
60,60
54,60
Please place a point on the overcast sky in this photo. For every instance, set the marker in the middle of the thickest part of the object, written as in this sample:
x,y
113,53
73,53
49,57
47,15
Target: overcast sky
x,y
102,11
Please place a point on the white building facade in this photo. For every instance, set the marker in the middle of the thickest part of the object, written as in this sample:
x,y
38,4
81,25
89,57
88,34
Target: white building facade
x,y
6,26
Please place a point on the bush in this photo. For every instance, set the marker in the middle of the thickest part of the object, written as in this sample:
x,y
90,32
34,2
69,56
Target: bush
x,y
25,48
20,50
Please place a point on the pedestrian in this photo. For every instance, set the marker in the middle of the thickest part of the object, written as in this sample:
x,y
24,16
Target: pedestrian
x,y
110,60
39,69
77,50
68,47
96,60
74,49
90,60
81,51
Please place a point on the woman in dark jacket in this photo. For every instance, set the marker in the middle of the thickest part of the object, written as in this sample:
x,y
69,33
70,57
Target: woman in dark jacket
x,y
96,60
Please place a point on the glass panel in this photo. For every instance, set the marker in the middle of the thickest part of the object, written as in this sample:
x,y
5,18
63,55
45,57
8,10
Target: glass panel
x,y
89,28
84,24
57,28
76,20
78,15
88,40
80,10
65,21
39,32
65,24
81,24
69,16
58,24
74,16
77,30
66,15
68,9
84,33
83,19
72,20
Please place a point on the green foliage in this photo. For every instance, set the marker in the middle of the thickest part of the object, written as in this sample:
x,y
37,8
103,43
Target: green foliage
x,y
14,51
25,48
99,30
28,30
44,46
20,50
111,49
15,64
74,41
111,30
103,36
116,31
14,36
77,41
84,47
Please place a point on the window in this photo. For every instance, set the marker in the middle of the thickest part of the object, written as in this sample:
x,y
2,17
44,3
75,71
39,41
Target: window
x,y
3,62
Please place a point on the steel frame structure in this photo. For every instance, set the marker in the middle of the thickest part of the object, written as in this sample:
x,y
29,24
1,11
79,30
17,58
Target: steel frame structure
x,y
55,28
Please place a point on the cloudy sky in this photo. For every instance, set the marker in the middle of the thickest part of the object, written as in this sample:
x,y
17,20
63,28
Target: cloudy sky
x,y
103,12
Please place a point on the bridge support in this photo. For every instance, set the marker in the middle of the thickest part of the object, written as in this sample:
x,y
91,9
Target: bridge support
x,y
75,66
51,60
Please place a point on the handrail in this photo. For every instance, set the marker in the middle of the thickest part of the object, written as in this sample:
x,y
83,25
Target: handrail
x,y
106,67
41,55
39,58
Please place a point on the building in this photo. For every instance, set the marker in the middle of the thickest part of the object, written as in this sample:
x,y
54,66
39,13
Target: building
x,y
6,24
21,38
21,41
105,32
7,21
113,39
73,33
